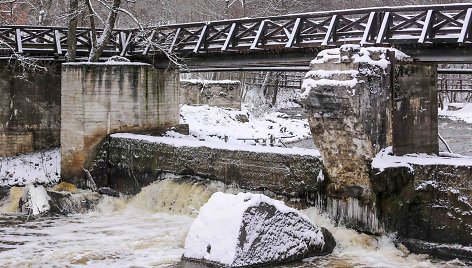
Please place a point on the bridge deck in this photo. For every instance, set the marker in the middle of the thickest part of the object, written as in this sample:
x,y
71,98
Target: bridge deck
x,y
424,30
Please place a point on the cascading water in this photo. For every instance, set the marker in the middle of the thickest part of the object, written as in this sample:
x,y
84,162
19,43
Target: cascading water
x,y
11,204
149,230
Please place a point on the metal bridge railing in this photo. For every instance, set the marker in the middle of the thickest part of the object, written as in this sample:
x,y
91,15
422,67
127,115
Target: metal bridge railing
x,y
414,25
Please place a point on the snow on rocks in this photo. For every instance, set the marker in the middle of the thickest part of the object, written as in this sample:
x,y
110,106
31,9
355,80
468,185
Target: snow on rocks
x,y
41,167
35,200
360,61
60,200
252,229
359,54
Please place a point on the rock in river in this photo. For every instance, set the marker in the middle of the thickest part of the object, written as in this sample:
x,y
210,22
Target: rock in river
x,y
252,229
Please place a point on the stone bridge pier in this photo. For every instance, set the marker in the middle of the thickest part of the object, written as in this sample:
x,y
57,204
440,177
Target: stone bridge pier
x,y
99,99
362,100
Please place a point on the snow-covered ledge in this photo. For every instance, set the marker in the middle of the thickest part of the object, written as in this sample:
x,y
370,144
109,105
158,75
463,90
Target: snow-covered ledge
x,y
385,159
425,197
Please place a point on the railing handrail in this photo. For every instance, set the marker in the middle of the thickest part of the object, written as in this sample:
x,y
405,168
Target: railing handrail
x,y
317,14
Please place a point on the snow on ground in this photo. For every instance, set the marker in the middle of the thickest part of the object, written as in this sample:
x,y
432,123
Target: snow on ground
x,y
385,159
219,127
242,126
39,167
210,82
179,140
463,114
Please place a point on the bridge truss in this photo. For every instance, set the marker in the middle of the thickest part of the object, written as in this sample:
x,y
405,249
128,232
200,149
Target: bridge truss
x,y
417,28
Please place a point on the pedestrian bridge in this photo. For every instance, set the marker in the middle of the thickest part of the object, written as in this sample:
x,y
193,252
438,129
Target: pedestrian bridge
x,y
439,33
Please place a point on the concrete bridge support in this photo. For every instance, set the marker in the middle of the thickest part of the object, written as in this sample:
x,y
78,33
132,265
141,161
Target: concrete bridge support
x,y
361,100
99,99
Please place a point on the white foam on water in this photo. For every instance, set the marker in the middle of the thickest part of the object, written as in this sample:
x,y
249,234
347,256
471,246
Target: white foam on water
x,y
356,249
140,232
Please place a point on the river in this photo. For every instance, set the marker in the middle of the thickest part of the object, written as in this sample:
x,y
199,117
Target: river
x,y
149,230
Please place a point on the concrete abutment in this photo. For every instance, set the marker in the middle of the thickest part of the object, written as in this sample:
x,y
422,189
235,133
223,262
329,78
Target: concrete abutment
x,y
361,100
99,99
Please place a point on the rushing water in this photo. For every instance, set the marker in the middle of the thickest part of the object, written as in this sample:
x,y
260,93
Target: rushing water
x,y
149,230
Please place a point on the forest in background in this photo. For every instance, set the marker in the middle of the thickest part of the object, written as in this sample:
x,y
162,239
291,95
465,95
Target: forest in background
x,y
159,12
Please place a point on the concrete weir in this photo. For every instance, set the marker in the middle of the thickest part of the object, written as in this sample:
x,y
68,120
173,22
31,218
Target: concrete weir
x,y
128,162
99,99
361,100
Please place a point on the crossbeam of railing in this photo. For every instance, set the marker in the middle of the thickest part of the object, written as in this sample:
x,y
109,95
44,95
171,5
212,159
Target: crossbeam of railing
x,y
413,25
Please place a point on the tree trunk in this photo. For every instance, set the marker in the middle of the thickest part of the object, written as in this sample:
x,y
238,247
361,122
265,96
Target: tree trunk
x,y
102,42
72,30
276,88
265,85
92,23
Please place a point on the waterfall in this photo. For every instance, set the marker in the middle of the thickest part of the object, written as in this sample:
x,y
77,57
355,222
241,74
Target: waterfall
x,y
149,230
12,202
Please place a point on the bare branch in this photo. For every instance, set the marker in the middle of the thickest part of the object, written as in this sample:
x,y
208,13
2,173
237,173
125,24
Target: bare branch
x,y
17,60
163,48
132,17
109,25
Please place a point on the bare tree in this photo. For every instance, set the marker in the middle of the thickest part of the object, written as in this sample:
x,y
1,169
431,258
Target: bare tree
x,y
72,30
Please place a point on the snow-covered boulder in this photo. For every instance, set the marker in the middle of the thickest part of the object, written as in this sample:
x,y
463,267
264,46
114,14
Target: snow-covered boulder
x,y
61,200
35,200
252,229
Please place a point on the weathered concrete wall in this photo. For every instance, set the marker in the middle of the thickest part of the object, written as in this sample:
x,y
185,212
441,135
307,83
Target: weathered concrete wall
x,y
98,99
414,111
126,165
348,99
225,93
431,203
29,110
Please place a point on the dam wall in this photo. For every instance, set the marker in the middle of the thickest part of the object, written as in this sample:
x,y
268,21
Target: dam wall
x,y
220,93
128,162
421,198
